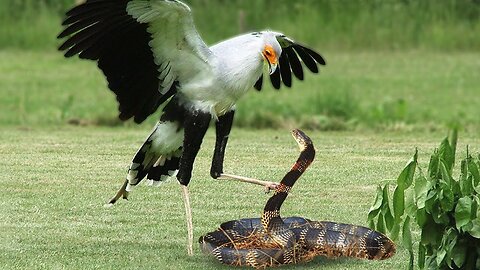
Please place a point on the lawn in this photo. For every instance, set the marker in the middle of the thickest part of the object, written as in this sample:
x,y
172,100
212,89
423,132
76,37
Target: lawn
x,y
56,180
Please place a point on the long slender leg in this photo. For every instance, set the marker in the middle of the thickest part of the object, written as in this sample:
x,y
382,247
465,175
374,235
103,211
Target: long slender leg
x,y
195,127
223,127
188,215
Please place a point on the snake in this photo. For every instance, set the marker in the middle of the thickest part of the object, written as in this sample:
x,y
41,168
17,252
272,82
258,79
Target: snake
x,y
272,241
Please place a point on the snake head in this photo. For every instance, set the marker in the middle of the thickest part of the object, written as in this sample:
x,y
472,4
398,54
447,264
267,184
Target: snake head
x,y
302,139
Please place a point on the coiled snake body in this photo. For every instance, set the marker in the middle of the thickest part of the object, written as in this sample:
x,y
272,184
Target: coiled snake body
x,y
272,241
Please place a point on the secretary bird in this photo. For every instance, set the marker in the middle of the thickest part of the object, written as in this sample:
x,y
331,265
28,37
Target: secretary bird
x,y
151,54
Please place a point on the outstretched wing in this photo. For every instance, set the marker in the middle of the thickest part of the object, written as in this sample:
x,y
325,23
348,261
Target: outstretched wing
x,y
289,63
145,48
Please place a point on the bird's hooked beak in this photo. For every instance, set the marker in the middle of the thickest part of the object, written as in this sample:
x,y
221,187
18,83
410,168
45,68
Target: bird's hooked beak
x,y
270,57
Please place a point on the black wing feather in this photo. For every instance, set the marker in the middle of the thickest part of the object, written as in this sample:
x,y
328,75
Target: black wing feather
x,y
307,59
290,62
285,70
315,56
295,64
275,79
101,30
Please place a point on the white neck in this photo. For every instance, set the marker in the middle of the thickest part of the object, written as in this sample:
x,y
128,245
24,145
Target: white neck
x,y
240,62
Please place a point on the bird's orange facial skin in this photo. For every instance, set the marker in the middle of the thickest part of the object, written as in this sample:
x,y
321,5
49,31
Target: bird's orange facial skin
x,y
270,55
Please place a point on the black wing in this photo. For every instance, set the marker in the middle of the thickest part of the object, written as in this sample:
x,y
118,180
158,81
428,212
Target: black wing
x,y
101,30
290,63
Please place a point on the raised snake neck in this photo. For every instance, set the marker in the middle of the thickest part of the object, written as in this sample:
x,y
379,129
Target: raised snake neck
x,y
273,241
272,223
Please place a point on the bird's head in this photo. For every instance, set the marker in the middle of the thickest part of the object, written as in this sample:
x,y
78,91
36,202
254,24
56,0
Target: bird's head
x,y
271,52
270,57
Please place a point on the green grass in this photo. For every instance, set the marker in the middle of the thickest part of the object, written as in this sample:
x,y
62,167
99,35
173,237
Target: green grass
x,y
382,90
55,182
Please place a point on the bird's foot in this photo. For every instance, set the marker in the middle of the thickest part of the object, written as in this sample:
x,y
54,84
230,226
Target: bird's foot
x,y
266,184
122,192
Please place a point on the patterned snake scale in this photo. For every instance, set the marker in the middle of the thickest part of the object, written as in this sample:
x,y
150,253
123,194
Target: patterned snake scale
x,y
273,241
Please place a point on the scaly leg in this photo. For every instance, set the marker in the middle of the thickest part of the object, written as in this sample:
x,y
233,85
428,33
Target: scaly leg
x,y
195,127
188,215
122,192
268,185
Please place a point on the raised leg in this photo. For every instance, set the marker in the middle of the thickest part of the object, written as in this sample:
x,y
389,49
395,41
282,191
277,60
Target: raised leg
x,y
266,184
223,127
195,127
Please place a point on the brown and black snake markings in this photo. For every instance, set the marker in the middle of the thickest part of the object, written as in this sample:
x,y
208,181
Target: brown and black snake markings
x,y
273,241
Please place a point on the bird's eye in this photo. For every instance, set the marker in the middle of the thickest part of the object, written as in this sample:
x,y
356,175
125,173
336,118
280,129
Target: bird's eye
x,y
268,53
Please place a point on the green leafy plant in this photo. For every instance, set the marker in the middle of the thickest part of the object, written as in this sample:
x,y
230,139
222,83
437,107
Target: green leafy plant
x,y
445,209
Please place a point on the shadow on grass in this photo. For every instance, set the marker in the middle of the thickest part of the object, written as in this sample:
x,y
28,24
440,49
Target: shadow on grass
x,y
320,261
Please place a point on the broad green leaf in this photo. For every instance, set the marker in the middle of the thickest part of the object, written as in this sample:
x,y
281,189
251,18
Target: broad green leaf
x,y
385,209
407,234
405,179
385,202
475,230
375,208
477,189
407,240
458,254
421,190
446,154
395,231
441,256
440,216
371,224
410,206
446,174
446,200
475,200
398,203
466,182
381,224
473,169
421,217
463,212
433,166
430,201
448,243
430,263
389,219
